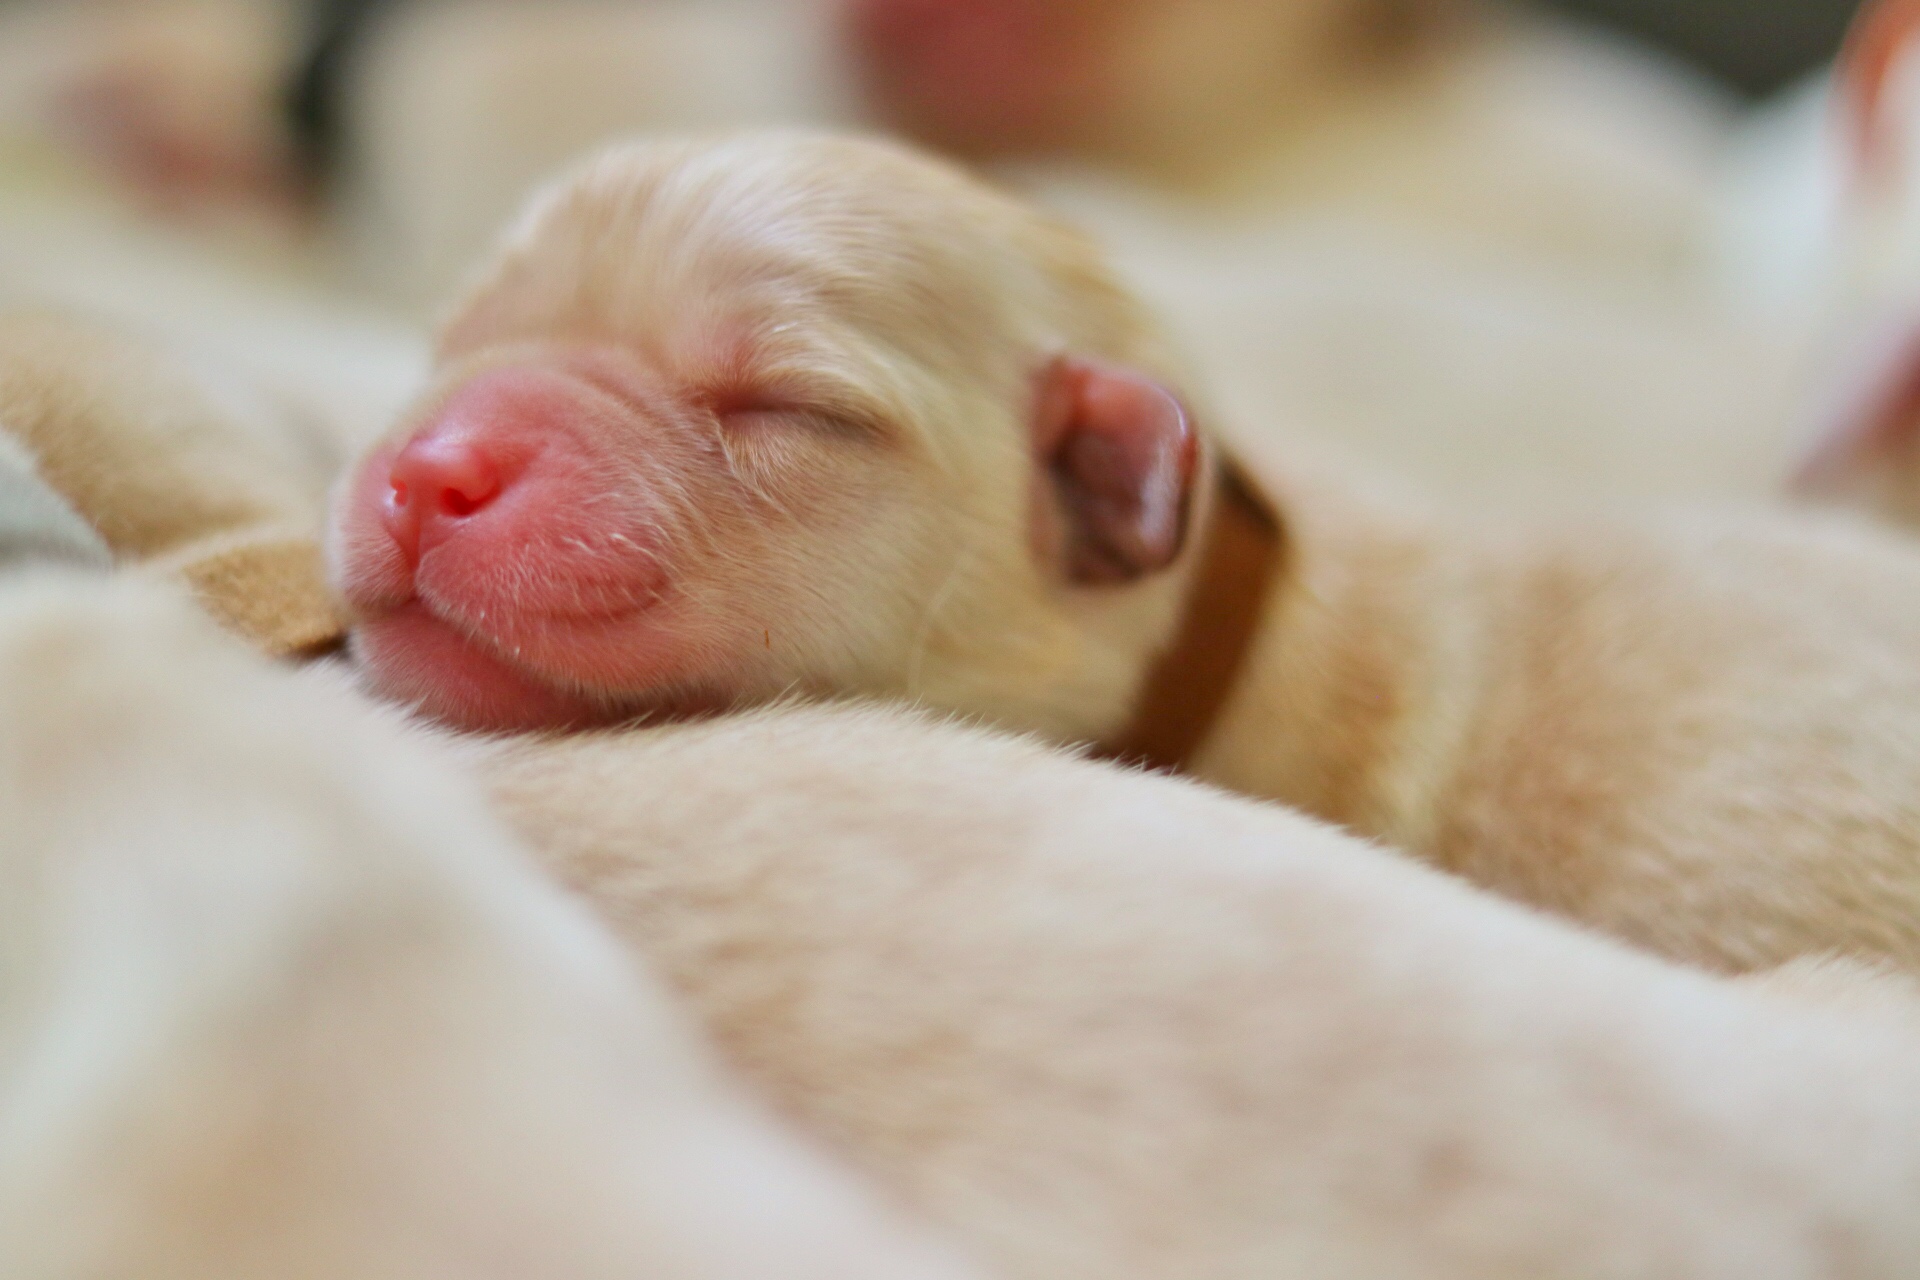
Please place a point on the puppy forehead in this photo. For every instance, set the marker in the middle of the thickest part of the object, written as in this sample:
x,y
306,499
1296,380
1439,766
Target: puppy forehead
x,y
760,236
829,202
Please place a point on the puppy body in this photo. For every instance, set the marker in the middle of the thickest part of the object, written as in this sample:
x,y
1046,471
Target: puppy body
x,y
323,373
184,469
281,1002
1692,731
1102,1024
1456,366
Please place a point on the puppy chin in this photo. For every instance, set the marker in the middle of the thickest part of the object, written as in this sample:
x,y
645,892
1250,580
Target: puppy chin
x,y
414,658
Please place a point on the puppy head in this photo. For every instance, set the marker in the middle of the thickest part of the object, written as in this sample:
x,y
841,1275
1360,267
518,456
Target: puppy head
x,y
727,420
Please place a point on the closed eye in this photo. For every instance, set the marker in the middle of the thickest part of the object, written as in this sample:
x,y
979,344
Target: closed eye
x,y
755,419
759,419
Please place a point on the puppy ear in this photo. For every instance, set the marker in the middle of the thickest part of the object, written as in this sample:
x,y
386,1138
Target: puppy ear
x,y
1119,453
1868,454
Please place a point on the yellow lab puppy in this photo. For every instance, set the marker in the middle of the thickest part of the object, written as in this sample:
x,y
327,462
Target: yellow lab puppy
x,y
723,421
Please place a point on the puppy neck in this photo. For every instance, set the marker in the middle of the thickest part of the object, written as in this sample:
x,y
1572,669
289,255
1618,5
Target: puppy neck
x,y
1190,685
1369,666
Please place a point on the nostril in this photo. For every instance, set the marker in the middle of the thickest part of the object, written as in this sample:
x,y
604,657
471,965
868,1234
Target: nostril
x,y
457,503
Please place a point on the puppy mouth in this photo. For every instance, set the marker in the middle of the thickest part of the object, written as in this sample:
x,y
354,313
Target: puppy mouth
x,y
464,676
446,672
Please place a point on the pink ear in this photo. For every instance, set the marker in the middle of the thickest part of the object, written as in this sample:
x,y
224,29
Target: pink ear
x,y
1121,452
1869,455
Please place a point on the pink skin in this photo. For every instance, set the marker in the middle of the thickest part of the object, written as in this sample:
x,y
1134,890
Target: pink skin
x,y
987,76
505,558
512,564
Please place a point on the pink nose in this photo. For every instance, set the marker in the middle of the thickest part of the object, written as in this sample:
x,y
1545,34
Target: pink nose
x,y
439,481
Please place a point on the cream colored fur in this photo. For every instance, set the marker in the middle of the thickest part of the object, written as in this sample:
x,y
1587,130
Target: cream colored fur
x,y
1122,1026
745,233
1695,731
187,472
285,1004
329,373
1090,1023
150,452
279,1002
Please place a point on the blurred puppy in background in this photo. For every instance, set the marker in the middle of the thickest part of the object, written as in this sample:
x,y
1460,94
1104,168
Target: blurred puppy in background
x,y
1458,245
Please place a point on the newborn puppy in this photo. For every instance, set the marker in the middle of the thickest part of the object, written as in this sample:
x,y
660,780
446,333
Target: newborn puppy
x,y
278,1002
1123,1026
727,421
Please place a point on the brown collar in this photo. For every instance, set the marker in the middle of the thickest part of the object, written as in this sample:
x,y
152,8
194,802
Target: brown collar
x,y
1188,687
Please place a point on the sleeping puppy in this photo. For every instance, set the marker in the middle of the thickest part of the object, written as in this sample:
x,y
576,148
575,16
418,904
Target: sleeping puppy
x,y
724,421
279,1002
